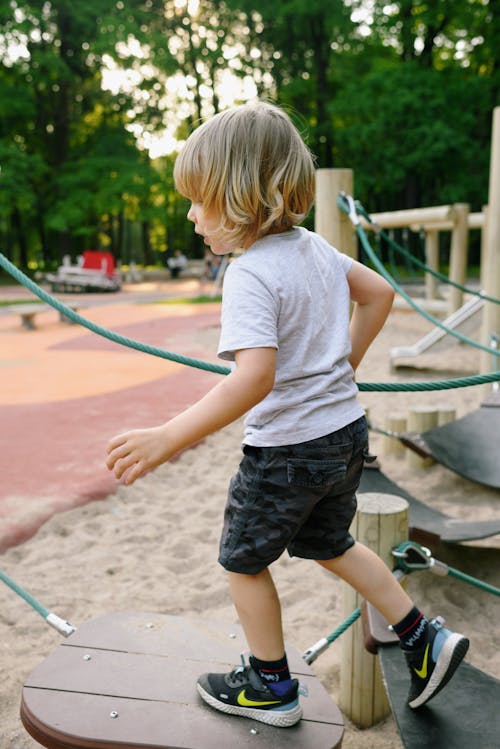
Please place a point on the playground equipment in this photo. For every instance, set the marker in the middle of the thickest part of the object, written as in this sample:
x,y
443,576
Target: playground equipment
x,y
338,231
467,319
467,446
425,524
128,680
95,272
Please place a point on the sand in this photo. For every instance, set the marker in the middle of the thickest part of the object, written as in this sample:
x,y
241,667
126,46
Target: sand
x,y
153,547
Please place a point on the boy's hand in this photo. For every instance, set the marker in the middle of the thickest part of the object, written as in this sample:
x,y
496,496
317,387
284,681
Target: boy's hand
x,y
136,452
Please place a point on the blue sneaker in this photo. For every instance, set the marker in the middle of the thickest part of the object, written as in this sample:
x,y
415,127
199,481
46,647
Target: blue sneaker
x,y
433,665
242,692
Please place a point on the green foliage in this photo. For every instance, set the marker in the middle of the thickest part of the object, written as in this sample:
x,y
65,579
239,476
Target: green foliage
x,y
402,92
412,132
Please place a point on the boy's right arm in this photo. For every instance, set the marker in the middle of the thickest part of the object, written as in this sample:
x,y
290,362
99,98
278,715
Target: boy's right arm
x,y
373,297
134,453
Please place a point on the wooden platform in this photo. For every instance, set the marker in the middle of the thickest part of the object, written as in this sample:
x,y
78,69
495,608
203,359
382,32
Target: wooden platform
x,y
128,680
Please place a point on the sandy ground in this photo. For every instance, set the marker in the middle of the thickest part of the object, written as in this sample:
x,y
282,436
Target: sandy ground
x,y
153,547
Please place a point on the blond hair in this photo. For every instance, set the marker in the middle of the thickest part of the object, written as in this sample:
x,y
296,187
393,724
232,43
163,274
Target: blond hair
x,y
249,166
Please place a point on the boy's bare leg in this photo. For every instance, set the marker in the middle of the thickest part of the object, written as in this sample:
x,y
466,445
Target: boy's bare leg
x,y
258,606
368,574
259,610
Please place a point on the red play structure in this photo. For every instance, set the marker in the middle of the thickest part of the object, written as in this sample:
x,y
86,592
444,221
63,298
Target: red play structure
x,y
95,272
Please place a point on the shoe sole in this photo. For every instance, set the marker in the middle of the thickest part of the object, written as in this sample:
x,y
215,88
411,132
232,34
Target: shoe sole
x,y
450,657
278,718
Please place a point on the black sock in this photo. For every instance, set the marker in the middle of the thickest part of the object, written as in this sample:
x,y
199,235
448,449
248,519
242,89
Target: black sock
x,y
412,630
274,674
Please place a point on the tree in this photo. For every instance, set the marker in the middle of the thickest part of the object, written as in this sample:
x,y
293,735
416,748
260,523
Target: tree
x,y
400,91
418,145
301,48
52,54
434,33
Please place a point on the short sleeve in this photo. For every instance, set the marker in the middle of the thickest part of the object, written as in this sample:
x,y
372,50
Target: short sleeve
x,y
250,313
345,261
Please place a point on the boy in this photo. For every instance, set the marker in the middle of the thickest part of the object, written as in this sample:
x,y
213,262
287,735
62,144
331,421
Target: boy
x,y
285,324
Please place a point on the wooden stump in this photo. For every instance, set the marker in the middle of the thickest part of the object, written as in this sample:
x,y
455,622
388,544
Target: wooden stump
x,y
420,420
391,445
381,524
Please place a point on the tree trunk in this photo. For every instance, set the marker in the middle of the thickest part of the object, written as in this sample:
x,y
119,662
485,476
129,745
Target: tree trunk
x,y
146,244
324,147
17,225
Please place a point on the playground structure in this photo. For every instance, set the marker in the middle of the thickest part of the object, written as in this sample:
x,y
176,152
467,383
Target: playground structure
x,y
457,219
362,697
95,272
467,446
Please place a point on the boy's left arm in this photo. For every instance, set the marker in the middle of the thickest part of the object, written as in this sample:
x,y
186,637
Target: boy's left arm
x,y
374,297
134,453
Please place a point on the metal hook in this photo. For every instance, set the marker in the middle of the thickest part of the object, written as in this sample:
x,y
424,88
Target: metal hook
x,y
351,206
412,556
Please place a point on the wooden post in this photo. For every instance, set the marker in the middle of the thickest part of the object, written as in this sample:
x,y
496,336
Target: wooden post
x,y
381,523
491,273
432,260
483,273
391,445
330,221
420,419
458,255
446,416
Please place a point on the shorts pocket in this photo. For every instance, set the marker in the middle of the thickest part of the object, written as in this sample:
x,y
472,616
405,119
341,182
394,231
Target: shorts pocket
x,y
315,473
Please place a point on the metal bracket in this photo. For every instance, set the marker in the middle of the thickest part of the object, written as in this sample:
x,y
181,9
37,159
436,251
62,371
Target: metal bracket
x,y
351,208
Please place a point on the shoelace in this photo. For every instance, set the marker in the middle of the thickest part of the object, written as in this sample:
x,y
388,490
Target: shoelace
x,y
240,674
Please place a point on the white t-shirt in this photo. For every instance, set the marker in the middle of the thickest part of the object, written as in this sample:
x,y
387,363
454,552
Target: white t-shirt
x,y
289,291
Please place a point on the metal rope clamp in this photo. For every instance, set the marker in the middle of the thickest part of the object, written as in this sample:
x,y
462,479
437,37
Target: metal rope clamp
x,y
412,557
350,208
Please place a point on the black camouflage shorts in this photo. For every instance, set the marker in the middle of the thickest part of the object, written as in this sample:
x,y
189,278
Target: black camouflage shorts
x,y
296,497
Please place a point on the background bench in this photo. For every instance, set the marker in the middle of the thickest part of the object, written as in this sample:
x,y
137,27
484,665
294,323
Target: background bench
x,y
28,312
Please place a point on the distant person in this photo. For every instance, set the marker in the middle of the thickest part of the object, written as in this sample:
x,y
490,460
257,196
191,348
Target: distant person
x,y
216,264
285,325
177,263
212,265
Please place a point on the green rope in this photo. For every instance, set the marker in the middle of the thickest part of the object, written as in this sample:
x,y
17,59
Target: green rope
x,y
324,643
207,366
383,272
25,595
459,382
344,626
402,251
473,581
411,557
110,335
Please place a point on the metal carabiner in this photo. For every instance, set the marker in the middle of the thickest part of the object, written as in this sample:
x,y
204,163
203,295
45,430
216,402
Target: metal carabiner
x,y
411,556
351,206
